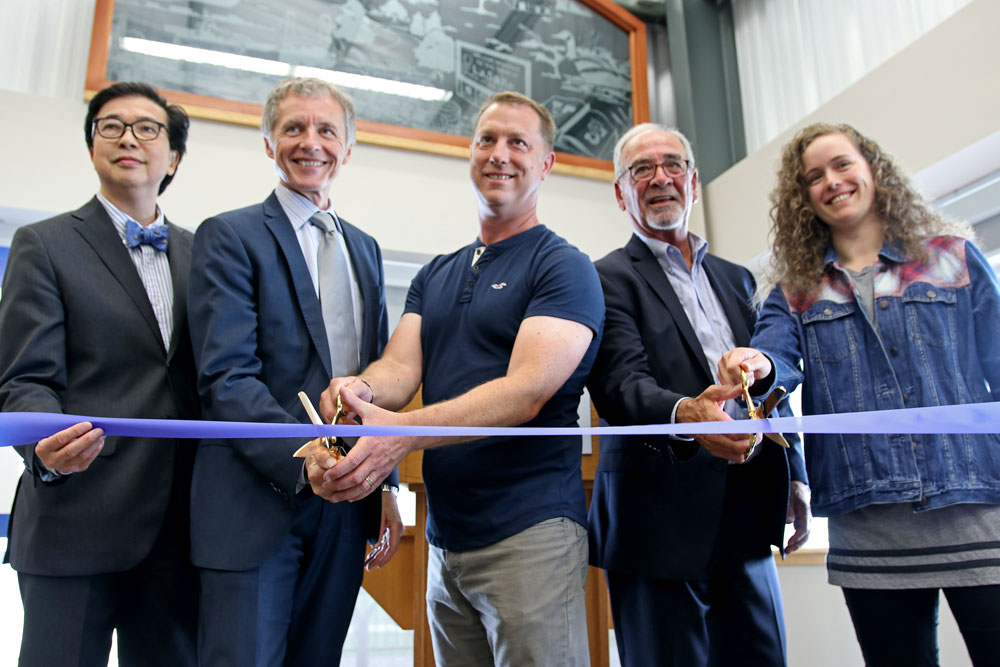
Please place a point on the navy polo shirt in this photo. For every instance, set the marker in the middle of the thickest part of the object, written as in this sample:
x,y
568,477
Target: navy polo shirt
x,y
481,492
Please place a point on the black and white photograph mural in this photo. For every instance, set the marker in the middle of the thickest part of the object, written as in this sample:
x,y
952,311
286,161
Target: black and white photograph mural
x,y
422,64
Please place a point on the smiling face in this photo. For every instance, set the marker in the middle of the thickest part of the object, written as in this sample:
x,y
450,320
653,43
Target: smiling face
x,y
509,160
840,185
662,204
309,145
130,169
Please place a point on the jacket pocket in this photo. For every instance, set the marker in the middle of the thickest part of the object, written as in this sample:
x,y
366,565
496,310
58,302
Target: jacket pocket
x,y
830,330
930,314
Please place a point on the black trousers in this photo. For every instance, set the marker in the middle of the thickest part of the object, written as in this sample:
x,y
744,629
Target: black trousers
x,y
153,606
899,627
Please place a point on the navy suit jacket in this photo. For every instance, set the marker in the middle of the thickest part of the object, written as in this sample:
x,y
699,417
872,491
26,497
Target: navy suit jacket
x,y
78,336
657,502
258,335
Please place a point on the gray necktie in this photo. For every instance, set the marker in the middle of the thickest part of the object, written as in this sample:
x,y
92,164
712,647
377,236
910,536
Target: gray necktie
x,y
335,298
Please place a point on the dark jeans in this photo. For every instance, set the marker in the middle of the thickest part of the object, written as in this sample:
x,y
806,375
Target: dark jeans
x,y
899,627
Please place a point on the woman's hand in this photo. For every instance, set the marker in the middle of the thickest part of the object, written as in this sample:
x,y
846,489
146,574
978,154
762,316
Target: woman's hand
x,y
755,363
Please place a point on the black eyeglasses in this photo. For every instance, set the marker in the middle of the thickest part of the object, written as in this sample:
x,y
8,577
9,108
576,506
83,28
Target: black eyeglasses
x,y
646,171
113,128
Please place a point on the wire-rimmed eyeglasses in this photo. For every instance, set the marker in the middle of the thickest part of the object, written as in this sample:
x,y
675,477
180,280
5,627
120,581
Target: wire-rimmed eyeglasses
x,y
113,128
646,171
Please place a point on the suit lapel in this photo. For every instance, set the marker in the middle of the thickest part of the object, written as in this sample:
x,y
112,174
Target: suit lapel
x,y
728,294
651,271
179,257
280,226
94,225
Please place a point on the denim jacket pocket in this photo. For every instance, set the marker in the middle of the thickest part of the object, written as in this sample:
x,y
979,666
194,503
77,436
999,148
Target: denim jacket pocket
x,y
830,331
931,313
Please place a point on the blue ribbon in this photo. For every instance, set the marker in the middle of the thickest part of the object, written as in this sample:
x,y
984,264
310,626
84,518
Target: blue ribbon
x,y
18,428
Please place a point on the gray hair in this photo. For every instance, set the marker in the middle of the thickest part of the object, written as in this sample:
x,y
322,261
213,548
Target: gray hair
x,y
641,129
309,87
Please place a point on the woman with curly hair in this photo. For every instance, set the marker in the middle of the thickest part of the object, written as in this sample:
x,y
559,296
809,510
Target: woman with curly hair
x,y
878,303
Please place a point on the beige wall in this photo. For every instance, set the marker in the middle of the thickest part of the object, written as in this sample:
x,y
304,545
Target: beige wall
x,y
931,100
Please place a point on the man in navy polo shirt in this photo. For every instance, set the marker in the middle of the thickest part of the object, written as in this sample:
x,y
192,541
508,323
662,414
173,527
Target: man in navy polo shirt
x,y
502,332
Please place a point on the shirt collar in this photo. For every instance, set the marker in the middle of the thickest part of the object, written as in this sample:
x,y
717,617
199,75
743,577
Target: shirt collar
x,y
699,247
119,218
299,209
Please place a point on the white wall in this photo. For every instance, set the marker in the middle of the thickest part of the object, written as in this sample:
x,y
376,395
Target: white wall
x,y
929,101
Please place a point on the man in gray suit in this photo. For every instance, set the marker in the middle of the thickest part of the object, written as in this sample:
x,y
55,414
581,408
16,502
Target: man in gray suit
x,y
93,321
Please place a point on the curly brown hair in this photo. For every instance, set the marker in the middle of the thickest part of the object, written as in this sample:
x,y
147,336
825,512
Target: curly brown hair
x,y
799,239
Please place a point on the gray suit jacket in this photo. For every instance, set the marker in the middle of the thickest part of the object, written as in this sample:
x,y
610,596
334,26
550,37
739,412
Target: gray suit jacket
x,y
78,336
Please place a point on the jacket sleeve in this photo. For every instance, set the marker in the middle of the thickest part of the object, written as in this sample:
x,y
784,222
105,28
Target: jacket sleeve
x,y
32,331
986,315
223,320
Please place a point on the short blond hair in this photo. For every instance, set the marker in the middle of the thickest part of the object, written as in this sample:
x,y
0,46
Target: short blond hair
x,y
546,124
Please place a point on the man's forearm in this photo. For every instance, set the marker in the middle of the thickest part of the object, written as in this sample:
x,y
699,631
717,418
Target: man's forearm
x,y
393,385
505,401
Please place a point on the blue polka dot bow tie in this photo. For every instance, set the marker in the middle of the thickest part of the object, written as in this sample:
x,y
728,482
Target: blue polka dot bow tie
x,y
137,235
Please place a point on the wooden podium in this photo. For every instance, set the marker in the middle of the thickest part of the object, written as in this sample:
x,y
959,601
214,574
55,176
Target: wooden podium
x,y
400,586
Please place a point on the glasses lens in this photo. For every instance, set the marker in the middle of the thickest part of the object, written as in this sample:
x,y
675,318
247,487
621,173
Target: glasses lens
x,y
146,130
643,172
675,167
110,128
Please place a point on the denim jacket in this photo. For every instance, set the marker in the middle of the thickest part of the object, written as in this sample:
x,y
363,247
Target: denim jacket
x,y
938,343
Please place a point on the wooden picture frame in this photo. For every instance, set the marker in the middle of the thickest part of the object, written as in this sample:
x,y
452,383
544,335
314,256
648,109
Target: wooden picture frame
x,y
574,56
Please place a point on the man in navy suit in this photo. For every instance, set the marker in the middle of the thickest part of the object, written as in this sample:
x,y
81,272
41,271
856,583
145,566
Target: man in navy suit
x,y
93,321
280,567
682,527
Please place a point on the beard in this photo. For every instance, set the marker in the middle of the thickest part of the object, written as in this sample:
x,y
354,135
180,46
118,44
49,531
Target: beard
x,y
665,222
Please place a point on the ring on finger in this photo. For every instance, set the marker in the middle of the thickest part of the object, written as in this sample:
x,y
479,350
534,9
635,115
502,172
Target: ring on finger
x,y
368,482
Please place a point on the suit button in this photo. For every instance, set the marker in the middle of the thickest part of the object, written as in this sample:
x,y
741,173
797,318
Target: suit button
x,y
720,465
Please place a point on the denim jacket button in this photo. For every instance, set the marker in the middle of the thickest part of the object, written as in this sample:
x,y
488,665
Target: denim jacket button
x,y
906,397
883,304
931,294
914,445
828,312
894,351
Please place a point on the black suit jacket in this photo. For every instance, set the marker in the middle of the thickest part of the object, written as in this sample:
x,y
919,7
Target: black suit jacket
x,y
259,339
78,335
658,502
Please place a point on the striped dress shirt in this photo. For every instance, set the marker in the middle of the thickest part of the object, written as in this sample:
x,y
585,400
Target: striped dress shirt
x,y
153,268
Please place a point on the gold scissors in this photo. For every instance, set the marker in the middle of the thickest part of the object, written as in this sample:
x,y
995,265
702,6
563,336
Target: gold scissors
x,y
761,412
327,443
